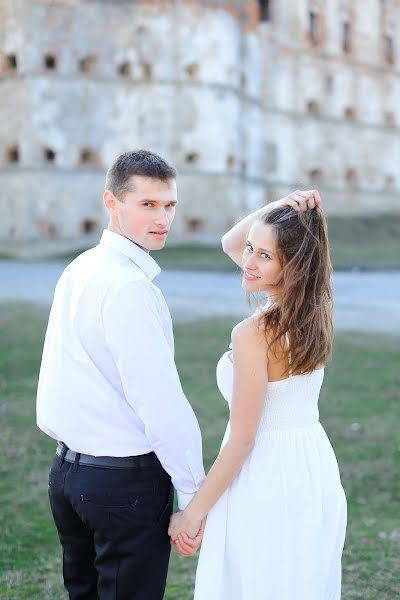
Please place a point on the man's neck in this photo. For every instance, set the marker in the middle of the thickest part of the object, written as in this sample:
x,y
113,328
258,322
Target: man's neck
x,y
118,231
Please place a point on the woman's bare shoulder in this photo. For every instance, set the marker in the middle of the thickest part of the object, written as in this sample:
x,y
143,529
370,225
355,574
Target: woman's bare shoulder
x,y
250,329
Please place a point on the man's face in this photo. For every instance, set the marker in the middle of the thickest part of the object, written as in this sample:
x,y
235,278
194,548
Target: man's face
x,y
145,214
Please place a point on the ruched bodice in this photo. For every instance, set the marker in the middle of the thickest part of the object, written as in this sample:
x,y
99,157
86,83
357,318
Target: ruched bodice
x,y
289,403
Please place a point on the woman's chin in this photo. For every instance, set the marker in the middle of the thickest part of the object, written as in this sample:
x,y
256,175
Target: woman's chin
x,y
250,286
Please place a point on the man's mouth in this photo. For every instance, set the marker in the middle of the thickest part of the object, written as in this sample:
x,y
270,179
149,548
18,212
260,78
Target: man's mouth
x,y
159,233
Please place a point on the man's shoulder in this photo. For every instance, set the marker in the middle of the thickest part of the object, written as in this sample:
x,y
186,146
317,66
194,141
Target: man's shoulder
x,y
112,268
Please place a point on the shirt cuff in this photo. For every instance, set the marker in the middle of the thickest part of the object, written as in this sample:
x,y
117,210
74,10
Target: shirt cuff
x,y
183,499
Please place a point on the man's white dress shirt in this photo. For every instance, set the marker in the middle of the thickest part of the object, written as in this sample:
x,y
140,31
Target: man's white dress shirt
x,y
108,383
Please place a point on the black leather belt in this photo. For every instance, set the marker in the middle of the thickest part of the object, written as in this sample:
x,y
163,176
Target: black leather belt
x,y
108,462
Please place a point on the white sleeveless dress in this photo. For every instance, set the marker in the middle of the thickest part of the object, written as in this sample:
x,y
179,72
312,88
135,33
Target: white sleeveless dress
x,y
277,532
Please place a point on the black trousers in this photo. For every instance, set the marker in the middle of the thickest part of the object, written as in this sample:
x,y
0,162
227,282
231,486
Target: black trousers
x,y
112,525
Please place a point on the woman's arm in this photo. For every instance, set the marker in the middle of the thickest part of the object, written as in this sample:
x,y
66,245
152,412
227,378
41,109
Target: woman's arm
x,y
234,241
249,389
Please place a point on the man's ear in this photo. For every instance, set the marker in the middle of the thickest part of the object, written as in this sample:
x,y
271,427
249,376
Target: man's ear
x,y
109,202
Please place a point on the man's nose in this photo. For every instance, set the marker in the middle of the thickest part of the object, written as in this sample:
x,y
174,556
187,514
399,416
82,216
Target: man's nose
x,y
162,218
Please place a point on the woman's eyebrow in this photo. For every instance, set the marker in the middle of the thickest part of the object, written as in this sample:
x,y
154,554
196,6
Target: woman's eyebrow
x,y
260,249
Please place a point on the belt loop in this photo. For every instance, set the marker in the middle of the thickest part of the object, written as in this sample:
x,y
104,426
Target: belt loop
x,y
62,455
76,462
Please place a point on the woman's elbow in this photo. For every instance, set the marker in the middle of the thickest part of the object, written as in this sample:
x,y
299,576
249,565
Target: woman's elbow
x,y
244,442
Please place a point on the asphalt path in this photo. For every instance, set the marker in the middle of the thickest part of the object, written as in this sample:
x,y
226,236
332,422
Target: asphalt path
x,y
364,301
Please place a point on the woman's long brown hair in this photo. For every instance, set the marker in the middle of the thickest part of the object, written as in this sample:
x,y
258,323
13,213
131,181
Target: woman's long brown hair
x,y
304,310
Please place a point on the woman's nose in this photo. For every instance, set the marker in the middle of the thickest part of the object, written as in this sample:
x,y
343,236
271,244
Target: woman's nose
x,y
249,263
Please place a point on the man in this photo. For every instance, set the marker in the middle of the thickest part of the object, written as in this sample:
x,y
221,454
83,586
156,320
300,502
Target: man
x,y
110,394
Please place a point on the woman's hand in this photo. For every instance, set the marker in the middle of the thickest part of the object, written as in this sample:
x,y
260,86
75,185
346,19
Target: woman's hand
x,y
300,200
187,546
181,522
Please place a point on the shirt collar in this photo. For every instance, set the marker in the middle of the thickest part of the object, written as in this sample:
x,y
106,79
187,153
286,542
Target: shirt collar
x,y
141,258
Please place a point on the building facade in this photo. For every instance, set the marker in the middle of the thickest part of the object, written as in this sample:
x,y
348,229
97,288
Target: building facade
x,y
248,99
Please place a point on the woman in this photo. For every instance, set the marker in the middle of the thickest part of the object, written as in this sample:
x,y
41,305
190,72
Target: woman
x,y
275,504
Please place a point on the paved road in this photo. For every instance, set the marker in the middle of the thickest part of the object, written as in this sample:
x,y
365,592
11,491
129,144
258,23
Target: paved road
x,y
363,301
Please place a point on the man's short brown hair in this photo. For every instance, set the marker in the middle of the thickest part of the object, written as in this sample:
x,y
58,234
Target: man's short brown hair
x,y
136,162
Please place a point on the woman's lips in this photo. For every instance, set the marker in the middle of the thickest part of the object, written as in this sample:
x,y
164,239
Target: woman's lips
x,y
249,277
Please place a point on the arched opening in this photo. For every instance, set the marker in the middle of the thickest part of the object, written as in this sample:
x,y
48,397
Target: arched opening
x,y
231,162
315,174
192,157
147,70
12,155
11,63
88,156
313,107
314,27
351,175
388,49
390,118
264,7
50,62
124,69
390,181
87,64
195,224
346,37
88,226
350,113
49,155
192,70
46,229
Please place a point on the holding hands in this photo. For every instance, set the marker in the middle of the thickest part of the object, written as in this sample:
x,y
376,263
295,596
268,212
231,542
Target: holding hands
x,y
186,533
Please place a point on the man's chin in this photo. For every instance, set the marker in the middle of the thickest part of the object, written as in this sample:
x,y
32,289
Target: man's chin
x,y
154,245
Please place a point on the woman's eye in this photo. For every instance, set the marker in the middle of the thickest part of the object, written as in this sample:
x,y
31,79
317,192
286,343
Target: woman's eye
x,y
265,255
249,248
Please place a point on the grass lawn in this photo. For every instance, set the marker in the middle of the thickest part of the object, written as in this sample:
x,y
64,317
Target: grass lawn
x,y
359,409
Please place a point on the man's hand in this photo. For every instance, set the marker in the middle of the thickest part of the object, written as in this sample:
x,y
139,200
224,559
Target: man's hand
x,y
188,531
300,200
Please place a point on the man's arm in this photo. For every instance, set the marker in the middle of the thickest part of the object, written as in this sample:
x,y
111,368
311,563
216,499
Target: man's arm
x,y
234,241
152,387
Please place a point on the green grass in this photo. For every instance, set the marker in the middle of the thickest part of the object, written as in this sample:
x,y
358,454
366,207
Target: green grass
x,y
362,386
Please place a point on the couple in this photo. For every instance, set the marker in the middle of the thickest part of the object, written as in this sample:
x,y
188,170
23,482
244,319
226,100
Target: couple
x,y
109,392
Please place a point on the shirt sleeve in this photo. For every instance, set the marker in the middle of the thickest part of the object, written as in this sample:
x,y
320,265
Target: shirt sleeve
x,y
145,361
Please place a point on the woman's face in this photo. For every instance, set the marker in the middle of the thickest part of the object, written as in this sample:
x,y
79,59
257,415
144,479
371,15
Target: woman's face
x,y
260,262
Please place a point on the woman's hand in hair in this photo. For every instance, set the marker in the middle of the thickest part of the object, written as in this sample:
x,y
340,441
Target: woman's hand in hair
x,y
300,200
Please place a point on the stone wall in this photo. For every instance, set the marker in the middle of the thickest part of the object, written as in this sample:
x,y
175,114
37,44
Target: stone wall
x,y
248,99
